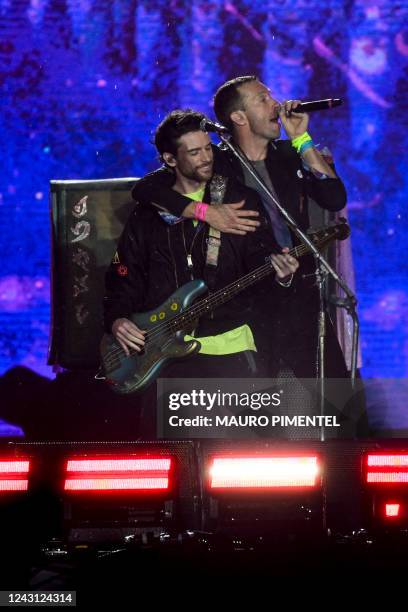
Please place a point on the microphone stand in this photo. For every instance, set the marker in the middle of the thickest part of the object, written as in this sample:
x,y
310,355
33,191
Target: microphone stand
x,y
323,267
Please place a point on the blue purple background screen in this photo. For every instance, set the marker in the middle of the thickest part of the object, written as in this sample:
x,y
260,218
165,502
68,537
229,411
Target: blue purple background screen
x,y
84,83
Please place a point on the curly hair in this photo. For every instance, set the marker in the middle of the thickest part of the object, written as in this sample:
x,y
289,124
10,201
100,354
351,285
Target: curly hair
x,y
174,125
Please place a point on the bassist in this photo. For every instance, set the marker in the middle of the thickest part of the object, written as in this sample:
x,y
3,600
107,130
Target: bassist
x,y
156,255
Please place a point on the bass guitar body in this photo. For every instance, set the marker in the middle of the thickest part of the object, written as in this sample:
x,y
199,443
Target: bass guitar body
x,y
163,342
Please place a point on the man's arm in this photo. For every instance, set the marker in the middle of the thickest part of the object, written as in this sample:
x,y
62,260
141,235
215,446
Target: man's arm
x,y
156,188
329,193
323,185
125,286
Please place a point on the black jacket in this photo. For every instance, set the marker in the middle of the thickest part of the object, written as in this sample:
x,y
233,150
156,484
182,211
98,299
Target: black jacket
x,y
151,263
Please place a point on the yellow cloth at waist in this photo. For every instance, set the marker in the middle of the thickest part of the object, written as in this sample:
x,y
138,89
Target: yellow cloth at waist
x,y
230,342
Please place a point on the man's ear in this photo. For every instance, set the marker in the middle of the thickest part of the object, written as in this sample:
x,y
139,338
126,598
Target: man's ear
x,y
239,117
169,159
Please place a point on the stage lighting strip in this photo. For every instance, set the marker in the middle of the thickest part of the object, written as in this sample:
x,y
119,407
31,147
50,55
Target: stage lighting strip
x,y
391,469
118,474
264,472
13,475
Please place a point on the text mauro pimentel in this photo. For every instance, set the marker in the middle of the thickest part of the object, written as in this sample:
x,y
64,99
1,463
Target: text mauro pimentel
x,y
253,401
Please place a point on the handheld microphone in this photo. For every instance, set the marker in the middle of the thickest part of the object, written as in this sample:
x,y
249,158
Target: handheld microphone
x,y
209,126
316,105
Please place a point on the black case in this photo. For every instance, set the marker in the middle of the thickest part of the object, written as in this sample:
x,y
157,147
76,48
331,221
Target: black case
x,y
87,218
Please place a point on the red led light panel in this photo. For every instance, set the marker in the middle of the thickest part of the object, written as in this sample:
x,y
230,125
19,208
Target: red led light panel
x,y
118,474
387,468
263,472
392,510
13,475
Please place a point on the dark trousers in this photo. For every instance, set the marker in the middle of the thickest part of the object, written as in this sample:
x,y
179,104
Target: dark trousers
x,y
246,364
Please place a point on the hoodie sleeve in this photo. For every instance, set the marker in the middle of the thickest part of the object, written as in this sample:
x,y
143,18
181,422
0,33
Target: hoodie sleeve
x,y
328,193
126,277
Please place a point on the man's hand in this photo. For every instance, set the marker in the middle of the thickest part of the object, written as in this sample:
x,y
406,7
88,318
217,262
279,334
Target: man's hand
x,y
294,123
128,335
230,219
284,264
227,218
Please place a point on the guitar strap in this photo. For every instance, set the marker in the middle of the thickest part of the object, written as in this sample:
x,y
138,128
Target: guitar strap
x,y
218,187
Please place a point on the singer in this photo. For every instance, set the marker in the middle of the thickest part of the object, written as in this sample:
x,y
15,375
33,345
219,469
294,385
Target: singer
x,y
296,172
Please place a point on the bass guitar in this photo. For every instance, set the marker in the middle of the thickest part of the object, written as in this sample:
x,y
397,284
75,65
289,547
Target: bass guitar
x,y
167,324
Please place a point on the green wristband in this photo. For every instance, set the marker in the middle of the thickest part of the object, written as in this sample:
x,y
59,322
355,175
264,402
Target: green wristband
x,y
300,140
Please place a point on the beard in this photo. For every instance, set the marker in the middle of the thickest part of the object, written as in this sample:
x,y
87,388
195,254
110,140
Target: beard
x,y
201,174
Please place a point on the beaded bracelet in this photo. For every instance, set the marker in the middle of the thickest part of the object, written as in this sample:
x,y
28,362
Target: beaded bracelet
x,y
305,146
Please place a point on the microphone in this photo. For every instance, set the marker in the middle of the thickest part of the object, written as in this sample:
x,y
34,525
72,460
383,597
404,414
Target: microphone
x,y
209,126
316,105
